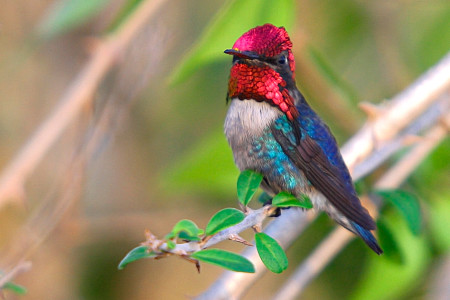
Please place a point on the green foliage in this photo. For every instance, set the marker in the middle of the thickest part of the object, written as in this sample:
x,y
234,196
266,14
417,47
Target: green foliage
x,y
271,253
135,254
385,278
407,204
225,218
66,15
285,199
15,288
247,184
264,198
193,170
235,18
439,212
186,230
388,242
225,259
127,9
333,78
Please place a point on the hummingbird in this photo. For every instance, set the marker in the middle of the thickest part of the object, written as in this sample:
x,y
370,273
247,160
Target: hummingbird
x,y
272,130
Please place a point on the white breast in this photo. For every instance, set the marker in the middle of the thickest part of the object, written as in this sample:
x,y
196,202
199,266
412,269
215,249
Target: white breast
x,y
249,118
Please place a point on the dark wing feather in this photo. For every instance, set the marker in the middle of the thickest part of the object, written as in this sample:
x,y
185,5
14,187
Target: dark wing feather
x,y
325,177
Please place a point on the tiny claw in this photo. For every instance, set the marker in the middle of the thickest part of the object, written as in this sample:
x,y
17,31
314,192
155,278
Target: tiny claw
x,y
274,212
239,239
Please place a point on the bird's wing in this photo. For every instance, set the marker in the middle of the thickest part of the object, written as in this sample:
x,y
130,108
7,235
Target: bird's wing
x,y
309,157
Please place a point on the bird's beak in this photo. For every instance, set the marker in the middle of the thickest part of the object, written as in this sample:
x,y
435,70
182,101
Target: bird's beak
x,y
242,54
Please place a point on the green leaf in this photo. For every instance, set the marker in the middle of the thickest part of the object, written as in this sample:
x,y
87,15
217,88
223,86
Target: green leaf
x,y
235,18
388,242
135,254
386,279
18,289
271,253
184,236
171,244
223,219
225,259
264,198
247,184
188,227
285,199
407,204
66,15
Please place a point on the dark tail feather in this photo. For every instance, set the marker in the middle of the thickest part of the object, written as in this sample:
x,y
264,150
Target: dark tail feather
x,y
368,238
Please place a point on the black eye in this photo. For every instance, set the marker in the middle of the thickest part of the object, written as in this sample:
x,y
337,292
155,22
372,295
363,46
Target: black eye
x,y
282,59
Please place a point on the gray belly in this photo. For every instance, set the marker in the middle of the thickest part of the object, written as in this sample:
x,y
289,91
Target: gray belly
x,y
247,128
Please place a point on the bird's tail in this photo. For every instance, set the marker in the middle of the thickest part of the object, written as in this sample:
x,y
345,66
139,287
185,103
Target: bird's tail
x,y
368,238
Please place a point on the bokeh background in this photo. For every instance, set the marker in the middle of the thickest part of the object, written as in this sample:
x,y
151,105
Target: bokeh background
x,y
161,155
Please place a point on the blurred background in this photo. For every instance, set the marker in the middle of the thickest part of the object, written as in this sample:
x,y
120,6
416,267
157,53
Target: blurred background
x,y
148,150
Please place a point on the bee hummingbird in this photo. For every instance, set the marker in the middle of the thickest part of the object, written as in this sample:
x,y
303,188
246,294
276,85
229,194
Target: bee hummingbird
x,y
272,130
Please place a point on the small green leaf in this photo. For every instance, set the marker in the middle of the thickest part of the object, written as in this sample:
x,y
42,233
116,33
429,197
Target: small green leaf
x,y
407,204
171,244
264,198
15,288
271,253
135,254
184,236
68,14
285,199
388,243
247,184
225,259
188,227
223,219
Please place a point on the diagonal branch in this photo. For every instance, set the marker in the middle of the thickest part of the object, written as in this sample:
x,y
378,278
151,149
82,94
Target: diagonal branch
x,y
394,116
340,237
77,96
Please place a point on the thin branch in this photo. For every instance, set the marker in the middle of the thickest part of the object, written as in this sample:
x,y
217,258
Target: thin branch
x,y
398,113
379,130
253,218
339,238
78,95
21,267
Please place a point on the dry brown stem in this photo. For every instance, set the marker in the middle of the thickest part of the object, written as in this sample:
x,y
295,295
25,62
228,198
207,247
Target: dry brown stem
x,y
78,95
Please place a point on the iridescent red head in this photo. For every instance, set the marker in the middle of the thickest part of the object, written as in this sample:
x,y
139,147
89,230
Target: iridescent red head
x,y
253,77
266,41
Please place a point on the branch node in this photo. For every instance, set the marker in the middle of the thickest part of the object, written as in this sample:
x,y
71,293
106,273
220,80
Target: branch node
x,y
371,110
237,238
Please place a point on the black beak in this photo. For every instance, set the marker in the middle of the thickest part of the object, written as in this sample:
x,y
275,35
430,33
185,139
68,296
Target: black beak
x,y
242,54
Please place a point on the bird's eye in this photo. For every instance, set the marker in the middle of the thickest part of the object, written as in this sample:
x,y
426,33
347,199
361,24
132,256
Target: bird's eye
x,y
282,60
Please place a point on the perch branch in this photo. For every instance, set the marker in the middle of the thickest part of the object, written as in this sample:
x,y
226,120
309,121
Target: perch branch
x,y
340,237
380,129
